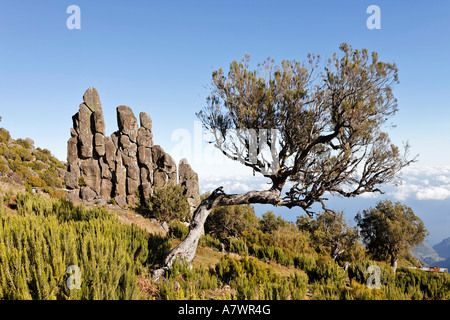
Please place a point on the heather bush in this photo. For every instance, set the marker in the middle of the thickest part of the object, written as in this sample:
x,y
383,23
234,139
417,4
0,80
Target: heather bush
x,y
168,203
39,243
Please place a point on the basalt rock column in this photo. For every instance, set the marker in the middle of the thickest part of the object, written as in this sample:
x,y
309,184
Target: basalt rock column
x,y
122,164
188,180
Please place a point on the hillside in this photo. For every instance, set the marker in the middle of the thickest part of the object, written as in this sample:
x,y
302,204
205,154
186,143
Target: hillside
x,y
426,254
240,256
23,164
443,248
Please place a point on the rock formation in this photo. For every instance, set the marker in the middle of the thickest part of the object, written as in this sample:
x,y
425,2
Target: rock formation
x,y
189,182
122,164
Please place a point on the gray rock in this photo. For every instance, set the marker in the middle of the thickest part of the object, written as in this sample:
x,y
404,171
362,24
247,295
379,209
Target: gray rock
x,y
123,163
74,196
188,180
127,122
85,135
72,150
145,120
110,152
121,201
160,179
71,177
100,146
106,189
165,226
99,122
87,194
90,171
92,99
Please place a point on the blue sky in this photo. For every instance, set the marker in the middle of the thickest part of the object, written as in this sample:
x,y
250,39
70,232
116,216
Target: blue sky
x,y
157,57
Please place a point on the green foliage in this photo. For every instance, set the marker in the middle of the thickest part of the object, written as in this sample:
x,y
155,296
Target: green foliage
x,y
168,203
20,168
81,182
253,280
178,230
230,221
237,246
327,271
207,240
51,178
183,282
4,168
2,208
305,262
358,271
158,248
23,143
389,230
36,182
4,136
39,243
423,285
330,232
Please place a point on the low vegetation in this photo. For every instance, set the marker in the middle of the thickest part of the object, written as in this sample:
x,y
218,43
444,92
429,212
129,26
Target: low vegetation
x,y
268,258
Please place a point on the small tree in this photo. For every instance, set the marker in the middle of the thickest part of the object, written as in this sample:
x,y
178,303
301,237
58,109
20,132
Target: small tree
x,y
389,230
330,230
320,130
167,203
230,221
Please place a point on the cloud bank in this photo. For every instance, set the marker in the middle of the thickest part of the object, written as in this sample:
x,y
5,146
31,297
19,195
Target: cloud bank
x,y
419,183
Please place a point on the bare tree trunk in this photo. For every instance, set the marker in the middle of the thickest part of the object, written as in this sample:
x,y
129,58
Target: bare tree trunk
x,y
394,264
185,250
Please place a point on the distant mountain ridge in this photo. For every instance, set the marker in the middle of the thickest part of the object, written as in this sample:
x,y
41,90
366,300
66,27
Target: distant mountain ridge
x,y
438,255
443,248
426,254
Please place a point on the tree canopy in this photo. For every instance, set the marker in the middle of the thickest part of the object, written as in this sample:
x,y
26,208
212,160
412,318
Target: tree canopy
x,y
321,129
389,230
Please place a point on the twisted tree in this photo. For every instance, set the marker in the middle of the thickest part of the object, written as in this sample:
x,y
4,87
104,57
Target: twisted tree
x,y
313,131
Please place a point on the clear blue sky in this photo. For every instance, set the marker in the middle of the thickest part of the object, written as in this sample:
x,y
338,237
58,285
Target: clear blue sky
x,y
157,56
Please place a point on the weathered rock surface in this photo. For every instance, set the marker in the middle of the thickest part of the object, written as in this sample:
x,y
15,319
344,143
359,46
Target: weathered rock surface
x,y
188,180
120,165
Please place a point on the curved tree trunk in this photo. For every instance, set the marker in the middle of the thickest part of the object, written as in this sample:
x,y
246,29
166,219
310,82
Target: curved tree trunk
x,y
185,250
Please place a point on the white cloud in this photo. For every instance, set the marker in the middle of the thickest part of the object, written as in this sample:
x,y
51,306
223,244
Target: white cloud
x,y
419,182
433,193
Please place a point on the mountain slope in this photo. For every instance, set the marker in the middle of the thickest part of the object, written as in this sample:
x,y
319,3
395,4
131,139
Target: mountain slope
x,y
443,248
426,254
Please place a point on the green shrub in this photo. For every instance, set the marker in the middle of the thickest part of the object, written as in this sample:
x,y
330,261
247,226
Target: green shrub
x,y
168,203
51,178
432,285
36,182
178,230
208,241
305,262
23,143
328,271
2,208
184,282
4,168
158,248
20,168
236,246
4,136
358,271
230,221
37,166
37,246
